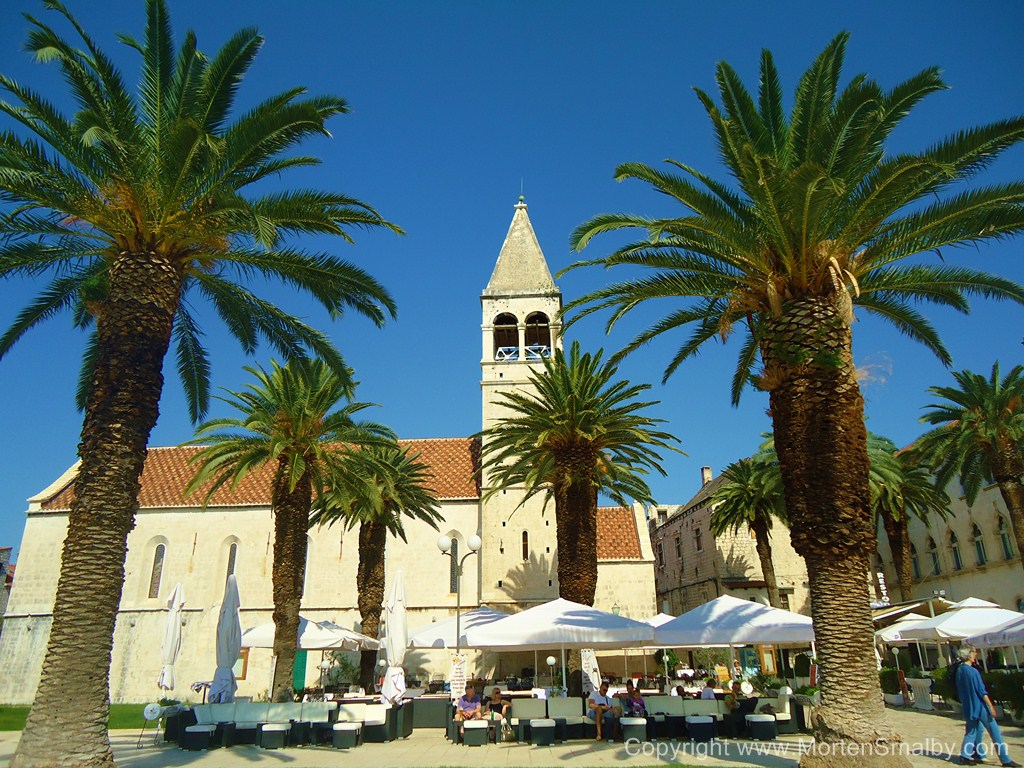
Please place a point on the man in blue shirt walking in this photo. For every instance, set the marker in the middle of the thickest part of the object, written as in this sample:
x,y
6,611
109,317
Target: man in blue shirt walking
x,y
979,712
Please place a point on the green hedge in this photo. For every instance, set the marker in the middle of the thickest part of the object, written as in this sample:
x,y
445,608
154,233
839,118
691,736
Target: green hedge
x,y
889,679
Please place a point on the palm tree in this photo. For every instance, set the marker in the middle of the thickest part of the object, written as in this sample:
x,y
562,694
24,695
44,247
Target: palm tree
x,y
751,497
140,206
980,438
380,485
289,420
901,487
818,219
579,433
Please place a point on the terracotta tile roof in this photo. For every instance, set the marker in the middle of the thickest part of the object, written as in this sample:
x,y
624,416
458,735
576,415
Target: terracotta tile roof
x,y
617,537
454,462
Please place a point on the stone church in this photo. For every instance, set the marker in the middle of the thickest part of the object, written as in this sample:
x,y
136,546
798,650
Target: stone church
x,y
178,541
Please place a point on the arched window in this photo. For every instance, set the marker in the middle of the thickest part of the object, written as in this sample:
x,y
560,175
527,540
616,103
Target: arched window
x,y
453,569
232,557
157,571
1020,604
954,550
915,562
526,546
1005,540
538,336
980,554
506,337
933,552
698,540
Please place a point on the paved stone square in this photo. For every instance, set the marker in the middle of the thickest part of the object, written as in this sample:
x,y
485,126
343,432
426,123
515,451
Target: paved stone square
x,y
934,739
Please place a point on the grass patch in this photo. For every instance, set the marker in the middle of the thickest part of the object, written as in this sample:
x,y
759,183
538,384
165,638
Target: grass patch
x,y
122,716
13,718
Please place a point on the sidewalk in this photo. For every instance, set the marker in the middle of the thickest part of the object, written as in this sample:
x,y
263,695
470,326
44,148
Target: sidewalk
x,y
934,739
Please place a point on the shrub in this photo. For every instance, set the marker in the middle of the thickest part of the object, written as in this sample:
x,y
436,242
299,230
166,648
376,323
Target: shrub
x,y
762,682
889,680
944,683
1006,688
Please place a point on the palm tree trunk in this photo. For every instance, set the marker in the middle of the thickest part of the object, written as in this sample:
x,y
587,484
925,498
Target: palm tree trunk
x,y
291,523
68,723
763,544
818,418
576,540
899,546
373,539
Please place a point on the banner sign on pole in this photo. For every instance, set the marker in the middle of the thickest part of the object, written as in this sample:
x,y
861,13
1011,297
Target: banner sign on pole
x,y
591,672
457,676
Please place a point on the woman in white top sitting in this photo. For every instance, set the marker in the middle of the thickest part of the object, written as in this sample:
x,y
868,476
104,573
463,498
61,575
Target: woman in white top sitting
x,y
709,689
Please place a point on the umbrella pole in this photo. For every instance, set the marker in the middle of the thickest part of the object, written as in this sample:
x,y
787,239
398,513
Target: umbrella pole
x,y
565,680
535,668
1013,650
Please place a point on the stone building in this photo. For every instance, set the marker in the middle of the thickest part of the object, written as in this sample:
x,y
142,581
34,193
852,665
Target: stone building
x,y
971,553
692,566
6,581
175,540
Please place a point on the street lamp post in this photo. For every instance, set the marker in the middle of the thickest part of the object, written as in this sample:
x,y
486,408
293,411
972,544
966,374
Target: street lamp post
x,y
444,543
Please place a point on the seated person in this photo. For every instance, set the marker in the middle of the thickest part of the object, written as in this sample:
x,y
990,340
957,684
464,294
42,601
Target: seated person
x,y
469,707
623,696
602,711
738,706
498,705
634,705
709,688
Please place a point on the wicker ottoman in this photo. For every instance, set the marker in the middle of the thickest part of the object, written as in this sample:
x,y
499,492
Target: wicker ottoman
x,y
346,735
274,735
633,728
700,727
197,737
542,732
476,733
762,727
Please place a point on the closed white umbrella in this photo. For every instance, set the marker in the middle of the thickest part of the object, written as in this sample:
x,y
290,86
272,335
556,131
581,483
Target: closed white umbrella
x,y
312,636
172,638
229,645
395,641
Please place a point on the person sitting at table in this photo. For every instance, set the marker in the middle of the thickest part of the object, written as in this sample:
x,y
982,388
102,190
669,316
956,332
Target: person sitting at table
x,y
634,705
497,704
735,718
709,688
469,707
602,711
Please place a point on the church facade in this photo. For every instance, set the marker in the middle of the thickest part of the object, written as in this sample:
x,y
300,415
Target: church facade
x,y
176,540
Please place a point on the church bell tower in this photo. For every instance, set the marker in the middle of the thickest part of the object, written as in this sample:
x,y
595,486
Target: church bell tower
x,y
520,328
520,315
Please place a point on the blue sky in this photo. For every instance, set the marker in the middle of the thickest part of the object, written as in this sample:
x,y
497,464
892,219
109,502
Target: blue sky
x,y
455,105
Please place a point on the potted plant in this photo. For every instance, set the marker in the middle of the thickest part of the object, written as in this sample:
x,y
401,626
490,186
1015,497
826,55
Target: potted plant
x,y
801,671
807,696
889,680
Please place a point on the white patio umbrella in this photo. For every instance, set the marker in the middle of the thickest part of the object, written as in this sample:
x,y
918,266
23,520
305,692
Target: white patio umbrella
x,y
893,634
312,636
968,617
728,620
441,634
561,624
395,640
172,638
229,645
1009,634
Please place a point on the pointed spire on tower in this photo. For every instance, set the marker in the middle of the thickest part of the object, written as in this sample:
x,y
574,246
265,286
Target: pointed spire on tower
x,y
521,266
